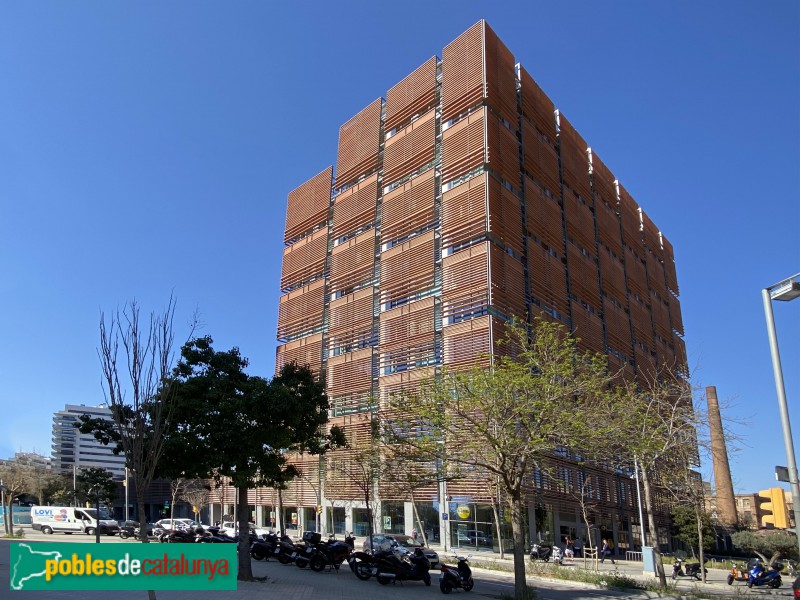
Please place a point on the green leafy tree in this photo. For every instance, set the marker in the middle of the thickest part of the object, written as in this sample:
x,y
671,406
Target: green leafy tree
x,y
94,483
684,522
243,427
768,544
537,398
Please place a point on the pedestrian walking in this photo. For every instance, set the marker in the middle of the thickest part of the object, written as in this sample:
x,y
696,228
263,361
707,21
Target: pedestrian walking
x,y
606,551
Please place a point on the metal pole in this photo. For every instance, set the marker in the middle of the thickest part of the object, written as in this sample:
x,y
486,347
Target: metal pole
x,y
97,508
787,427
5,513
639,499
126,493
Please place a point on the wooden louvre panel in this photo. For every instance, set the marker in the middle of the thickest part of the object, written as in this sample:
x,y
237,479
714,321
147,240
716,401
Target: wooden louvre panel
x,y
618,326
407,269
536,106
501,79
400,384
540,159
299,490
656,277
605,205
464,215
413,95
463,146
669,265
543,217
354,208
613,275
548,278
666,353
583,276
574,159
580,222
652,239
350,379
502,151
359,140
463,72
350,321
467,344
342,465
645,364
353,263
300,311
622,370
508,283
675,317
307,206
305,351
407,337
410,148
465,283
505,216
408,208
660,312
304,260
641,321
588,327
636,274
681,361
631,222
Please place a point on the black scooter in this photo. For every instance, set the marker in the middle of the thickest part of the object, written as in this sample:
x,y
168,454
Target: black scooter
x,y
541,552
458,577
331,553
414,567
687,570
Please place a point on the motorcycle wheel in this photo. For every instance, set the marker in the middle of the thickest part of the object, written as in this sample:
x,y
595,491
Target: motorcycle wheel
x,y
775,583
383,580
426,578
674,575
124,534
469,584
301,562
445,586
317,563
363,571
698,577
750,583
257,554
730,579
284,559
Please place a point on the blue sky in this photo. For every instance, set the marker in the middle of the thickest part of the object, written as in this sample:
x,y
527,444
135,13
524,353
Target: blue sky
x,y
147,148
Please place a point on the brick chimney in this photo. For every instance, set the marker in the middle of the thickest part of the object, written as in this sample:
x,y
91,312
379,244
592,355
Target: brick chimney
x,y
726,503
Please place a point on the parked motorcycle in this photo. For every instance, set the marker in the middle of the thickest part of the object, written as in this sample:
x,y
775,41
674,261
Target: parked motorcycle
x,y
362,564
263,549
458,577
541,552
411,567
759,575
331,553
687,570
286,549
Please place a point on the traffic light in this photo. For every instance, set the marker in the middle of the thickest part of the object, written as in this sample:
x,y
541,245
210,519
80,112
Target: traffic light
x,y
319,509
774,509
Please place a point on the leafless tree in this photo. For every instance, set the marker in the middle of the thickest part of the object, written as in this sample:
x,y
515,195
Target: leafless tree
x,y
195,492
16,479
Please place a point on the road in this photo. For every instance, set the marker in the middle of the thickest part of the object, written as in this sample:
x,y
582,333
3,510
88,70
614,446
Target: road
x,y
290,583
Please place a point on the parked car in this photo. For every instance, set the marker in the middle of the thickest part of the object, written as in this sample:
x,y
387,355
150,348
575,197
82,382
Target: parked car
x,y
175,523
475,537
232,529
383,541
796,588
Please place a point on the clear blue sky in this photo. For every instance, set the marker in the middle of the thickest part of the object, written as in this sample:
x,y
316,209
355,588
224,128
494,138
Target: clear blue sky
x,y
147,148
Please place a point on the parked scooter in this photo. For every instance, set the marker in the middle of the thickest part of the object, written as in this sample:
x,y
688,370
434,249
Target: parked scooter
x,y
458,577
285,550
391,568
737,573
263,549
687,570
541,552
759,575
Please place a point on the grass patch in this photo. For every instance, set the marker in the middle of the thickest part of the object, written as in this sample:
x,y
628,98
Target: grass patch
x,y
19,533
531,594
608,579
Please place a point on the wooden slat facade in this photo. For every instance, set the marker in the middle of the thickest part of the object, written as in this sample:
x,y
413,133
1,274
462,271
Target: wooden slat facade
x,y
354,209
413,95
407,270
464,215
463,72
410,148
300,312
304,351
304,261
307,205
359,141
353,263
409,208
464,146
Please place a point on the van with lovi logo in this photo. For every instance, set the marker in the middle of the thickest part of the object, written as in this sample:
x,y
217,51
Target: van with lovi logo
x,y
69,519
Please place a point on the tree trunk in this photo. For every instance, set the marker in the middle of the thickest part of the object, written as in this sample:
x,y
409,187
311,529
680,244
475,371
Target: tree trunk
x,y
245,565
698,513
517,527
279,516
417,520
648,503
497,529
142,514
8,515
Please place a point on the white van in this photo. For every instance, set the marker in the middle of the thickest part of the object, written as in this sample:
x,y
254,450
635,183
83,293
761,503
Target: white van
x,y
68,519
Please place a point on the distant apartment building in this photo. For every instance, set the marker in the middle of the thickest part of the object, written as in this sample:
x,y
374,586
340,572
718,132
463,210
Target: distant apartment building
x,y
462,200
75,450
29,459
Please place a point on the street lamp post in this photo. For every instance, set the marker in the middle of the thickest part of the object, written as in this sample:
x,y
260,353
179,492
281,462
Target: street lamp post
x,y
96,488
786,290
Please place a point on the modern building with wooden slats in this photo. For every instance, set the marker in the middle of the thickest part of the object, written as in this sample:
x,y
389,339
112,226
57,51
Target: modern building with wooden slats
x,y
463,200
